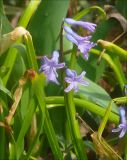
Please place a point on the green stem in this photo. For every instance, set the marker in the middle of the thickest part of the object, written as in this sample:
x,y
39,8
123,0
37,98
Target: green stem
x,y
99,110
114,49
31,56
38,87
28,13
104,120
50,133
121,79
71,116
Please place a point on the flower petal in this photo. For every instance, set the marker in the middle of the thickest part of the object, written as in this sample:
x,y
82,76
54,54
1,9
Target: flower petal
x,y
116,130
60,65
71,73
69,31
68,80
122,133
122,115
75,87
55,56
84,83
69,88
69,21
51,76
85,47
72,39
87,25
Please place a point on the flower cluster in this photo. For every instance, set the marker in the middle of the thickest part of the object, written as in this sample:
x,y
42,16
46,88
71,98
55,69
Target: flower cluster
x,y
73,79
50,66
83,43
123,125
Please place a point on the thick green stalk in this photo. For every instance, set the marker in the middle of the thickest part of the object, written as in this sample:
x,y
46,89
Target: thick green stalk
x,y
24,20
121,79
104,120
52,139
12,54
71,116
94,108
85,11
38,87
38,90
31,56
114,49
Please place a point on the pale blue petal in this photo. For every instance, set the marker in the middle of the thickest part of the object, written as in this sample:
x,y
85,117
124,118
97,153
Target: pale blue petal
x,y
55,56
122,133
68,30
71,73
69,88
75,87
122,115
85,47
116,130
60,65
69,21
55,73
81,76
87,25
84,83
46,60
52,77
72,39
68,80
75,35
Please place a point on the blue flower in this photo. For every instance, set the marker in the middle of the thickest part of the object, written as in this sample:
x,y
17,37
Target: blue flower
x,y
83,43
122,128
87,25
74,80
49,67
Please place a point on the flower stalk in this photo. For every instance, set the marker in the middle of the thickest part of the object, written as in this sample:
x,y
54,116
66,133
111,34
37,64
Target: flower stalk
x,y
71,116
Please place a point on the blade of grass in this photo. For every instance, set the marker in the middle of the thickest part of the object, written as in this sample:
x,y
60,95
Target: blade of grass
x,y
38,83
30,52
25,126
52,139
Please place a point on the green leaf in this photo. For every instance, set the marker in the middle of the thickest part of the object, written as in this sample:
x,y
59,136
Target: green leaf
x,y
25,125
38,86
4,89
122,7
96,94
5,26
46,23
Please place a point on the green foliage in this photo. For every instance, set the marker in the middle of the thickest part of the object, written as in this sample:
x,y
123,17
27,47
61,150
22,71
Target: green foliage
x,y
47,29
39,120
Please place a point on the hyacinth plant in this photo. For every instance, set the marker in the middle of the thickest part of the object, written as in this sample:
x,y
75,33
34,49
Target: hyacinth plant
x,y
61,81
